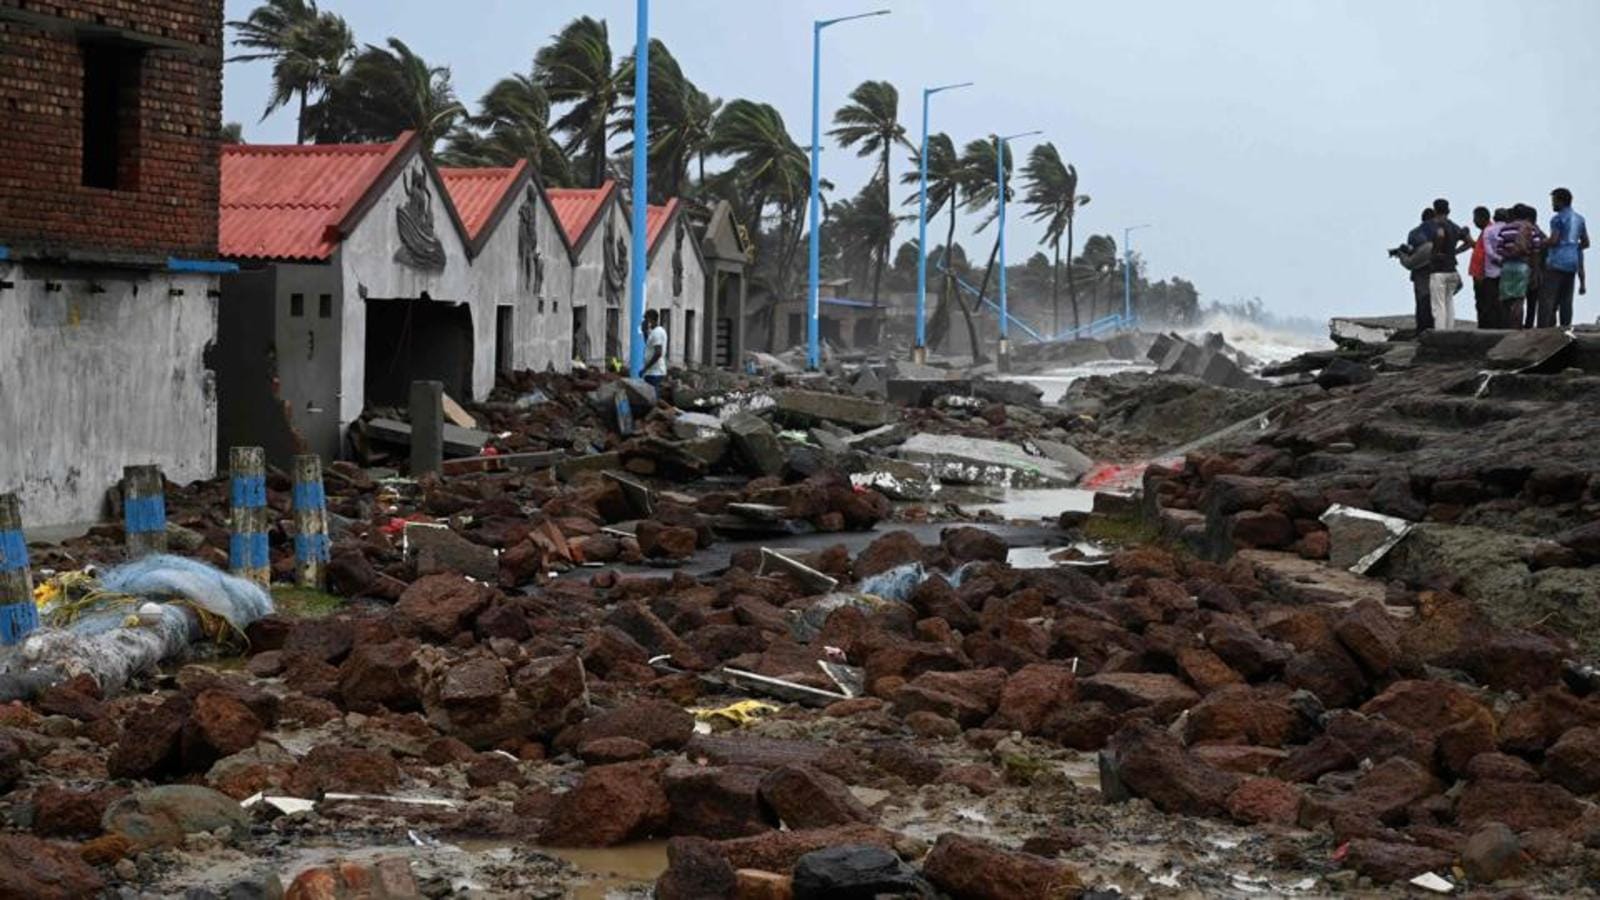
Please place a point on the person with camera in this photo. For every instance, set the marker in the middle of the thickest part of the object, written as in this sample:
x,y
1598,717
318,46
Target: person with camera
x,y
1416,255
1444,280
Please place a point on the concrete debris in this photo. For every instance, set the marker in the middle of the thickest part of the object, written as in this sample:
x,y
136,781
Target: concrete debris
x,y
965,460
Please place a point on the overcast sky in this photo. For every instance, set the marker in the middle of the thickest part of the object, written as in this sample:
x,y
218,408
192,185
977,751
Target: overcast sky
x,y
1276,146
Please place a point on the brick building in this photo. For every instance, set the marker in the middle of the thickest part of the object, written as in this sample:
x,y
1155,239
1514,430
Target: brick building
x,y
108,236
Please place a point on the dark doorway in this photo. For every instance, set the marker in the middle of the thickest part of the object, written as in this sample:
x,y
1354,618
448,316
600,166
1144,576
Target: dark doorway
x,y
580,332
504,347
797,334
417,340
613,333
688,337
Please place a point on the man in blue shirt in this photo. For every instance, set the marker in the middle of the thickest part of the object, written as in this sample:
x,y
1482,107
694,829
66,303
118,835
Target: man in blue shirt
x,y
1563,262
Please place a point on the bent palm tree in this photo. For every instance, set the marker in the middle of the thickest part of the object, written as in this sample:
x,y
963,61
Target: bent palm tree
x,y
385,92
681,117
947,182
979,180
870,123
513,123
1053,193
576,68
308,49
769,169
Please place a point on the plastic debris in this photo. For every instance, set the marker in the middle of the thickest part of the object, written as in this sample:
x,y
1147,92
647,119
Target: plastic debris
x,y
1431,882
734,715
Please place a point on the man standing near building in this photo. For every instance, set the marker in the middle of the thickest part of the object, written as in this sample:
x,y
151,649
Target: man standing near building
x,y
655,349
1449,239
1569,237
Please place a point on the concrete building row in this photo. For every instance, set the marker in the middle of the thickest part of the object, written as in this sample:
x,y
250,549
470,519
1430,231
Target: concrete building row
x,y
162,296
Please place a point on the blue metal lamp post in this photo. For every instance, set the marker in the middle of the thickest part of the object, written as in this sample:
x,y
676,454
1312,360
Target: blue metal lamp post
x,y
641,194
1000,146
1127,274
919,353
813,347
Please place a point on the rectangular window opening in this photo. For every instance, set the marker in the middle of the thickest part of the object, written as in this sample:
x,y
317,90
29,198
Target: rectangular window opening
x,y
297,305
111,80
325,306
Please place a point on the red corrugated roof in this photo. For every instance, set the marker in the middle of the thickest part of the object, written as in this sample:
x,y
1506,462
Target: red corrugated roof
x,y
655,222
576,208
477,193
286,202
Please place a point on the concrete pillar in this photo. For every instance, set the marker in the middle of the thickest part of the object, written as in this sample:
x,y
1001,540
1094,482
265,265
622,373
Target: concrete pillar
x,y
311,548
427,427
144,510
18,615
248,515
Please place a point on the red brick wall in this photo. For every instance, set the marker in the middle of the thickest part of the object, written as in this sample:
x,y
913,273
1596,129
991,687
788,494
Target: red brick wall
x,y
173,209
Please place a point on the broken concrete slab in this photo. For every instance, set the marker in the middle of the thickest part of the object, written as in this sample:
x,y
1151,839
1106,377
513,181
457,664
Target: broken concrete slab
x,y
878,438
640,499
573,466
1011,393
1521,351
457,441
438,549
896,479
963,460
811,407
693,425
1067,455
1358,539
756,443
868,384
1160,345
816,582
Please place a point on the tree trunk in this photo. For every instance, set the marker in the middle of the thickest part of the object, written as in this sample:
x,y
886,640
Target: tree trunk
x,y
300,123
940,327
1072,283
1055,290
597,158
978,356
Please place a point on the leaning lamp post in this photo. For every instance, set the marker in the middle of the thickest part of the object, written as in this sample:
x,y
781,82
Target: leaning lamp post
x,y
1127,274
1000,147
919,352
813,344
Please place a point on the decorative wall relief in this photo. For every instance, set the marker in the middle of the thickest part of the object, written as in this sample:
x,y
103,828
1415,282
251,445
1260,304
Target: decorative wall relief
x,y
615,252
420,247
528,254
677,260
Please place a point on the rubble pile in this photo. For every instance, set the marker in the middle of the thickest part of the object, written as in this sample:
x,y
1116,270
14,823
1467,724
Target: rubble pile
x,y
1330,653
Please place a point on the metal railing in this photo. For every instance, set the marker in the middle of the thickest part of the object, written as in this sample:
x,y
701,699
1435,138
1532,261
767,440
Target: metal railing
x,y
1107,325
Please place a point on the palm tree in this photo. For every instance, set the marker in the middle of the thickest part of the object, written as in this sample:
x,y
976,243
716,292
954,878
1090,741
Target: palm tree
x,y
385,92
769,169
681,117
860,226
948,180
981,186
576,69
1053,193
308,48
871,124
513,123
1099,263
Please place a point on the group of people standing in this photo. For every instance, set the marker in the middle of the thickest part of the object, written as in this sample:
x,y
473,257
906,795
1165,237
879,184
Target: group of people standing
x,y
1522,276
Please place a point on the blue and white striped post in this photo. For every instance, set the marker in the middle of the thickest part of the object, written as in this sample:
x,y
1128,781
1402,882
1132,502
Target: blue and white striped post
x,y
144,510
18,615
641,193
311,545
247,539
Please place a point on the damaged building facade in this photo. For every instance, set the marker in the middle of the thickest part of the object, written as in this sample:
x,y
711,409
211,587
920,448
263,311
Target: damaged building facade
x,y
366,267
108,239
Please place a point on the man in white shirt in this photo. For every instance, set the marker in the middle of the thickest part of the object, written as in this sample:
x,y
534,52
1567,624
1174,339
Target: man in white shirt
x,y
655,349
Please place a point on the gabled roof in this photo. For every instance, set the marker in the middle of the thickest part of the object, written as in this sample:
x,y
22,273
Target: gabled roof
x,y
296,202
656,219
578,210
480,195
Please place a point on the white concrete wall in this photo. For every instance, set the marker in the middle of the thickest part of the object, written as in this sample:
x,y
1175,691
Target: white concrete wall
x,y
658,294
588,285
366,260
543,338
91,382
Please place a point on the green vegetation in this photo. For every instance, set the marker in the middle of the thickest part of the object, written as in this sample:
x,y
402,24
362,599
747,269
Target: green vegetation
x,y
305,603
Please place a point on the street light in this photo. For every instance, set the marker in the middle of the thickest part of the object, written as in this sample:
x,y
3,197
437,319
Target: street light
x,y
641,153
1000,144
813,350
1127,274
919,353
